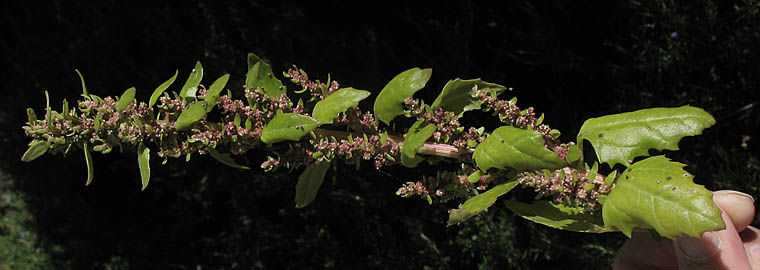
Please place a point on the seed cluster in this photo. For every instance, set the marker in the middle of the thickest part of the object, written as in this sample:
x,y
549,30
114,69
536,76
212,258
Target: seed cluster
x,y
568,186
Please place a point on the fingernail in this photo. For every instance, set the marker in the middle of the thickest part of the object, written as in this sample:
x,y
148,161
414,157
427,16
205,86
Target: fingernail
x,y
754,251
697,249
734,193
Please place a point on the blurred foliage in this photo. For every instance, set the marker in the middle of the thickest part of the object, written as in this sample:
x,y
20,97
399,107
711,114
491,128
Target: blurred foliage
x,y
571,60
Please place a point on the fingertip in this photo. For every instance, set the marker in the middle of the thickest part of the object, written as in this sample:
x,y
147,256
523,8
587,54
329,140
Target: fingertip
x,y
740,207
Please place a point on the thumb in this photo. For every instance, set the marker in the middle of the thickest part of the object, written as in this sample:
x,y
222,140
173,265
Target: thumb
x,y
713,250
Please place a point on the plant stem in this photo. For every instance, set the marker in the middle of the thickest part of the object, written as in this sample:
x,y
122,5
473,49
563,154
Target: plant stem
x,y
433,149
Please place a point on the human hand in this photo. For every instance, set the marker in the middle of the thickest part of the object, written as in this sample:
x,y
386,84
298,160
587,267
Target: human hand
x,y
736,247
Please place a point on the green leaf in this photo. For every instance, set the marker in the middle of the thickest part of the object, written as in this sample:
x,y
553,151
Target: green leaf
x,y
416,137
515,148
327,109
125,99
389,102
48,110
213,92
619,138
143,160
90,166
191,85
657,193
260,75
36,149
84,87
457,97
309,182
190,115
161,88
31,115
559,216
287,126
477,204
226,159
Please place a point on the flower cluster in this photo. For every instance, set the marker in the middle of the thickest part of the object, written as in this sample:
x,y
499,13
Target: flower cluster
x,y
568,186
317,89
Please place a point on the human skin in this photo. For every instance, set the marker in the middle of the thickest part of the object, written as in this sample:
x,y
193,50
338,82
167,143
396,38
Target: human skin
x,y
736,247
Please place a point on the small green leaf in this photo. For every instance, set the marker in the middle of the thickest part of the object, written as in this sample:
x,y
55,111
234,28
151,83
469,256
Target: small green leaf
x,y
475,176
515,148
559,216
213,92
457,97
389,102
327,109
36,149
190,115
237,120
31,115
477,204
143,160
309,182
619,138
90,166
416,137
287,126
191,85
48,110
161,88
657,193
226,159
125,99
260,75
98,121
84,87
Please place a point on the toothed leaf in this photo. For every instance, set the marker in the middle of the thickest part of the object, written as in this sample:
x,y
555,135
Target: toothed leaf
x,y
658,194
619,138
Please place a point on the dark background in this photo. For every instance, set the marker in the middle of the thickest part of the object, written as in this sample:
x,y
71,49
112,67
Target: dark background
x,y
571,60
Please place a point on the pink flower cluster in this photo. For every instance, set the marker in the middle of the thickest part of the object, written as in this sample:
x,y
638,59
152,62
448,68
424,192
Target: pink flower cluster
x,y
568,186
299,77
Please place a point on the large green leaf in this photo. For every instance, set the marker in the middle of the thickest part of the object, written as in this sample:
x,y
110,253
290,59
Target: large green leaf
x,y
389,102
260,75
213,92
657,193
416,137
190,115
559,216
327,109
619,138
90,166
143,161
160,89
125,99
457,97
309,182
191,85
226,159
36,149
477,204
515,148
287,126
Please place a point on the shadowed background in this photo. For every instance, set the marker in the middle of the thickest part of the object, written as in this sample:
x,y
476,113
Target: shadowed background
x,y
570,60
